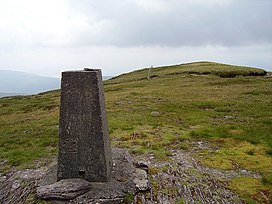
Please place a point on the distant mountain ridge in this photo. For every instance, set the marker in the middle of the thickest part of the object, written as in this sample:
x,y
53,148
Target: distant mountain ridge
x,y
21,83
14,83
8,94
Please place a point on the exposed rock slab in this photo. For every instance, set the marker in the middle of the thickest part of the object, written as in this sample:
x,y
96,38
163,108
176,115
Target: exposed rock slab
x,y
125,178
16,186
65,189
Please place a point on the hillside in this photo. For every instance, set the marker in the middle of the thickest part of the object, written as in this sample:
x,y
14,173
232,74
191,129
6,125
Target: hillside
x,y
204,126
21,83
199,68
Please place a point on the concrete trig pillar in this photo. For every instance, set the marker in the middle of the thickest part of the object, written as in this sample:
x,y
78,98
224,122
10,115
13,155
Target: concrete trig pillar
x,y
84,145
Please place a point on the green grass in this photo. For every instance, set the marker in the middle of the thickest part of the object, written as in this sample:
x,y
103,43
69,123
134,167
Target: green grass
x,y
29,128
189,106
207,101
215,106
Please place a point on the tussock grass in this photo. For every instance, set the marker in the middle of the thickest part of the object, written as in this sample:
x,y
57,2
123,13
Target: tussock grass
x,y
193,101
189,106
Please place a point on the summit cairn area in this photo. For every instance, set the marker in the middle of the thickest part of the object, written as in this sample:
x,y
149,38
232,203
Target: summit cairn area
x,y
88,170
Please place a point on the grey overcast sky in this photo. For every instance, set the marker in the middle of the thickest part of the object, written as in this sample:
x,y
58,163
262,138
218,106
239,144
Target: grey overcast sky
x,y
48,36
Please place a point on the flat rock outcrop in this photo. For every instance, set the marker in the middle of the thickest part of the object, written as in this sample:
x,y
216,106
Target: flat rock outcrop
x,y
125,178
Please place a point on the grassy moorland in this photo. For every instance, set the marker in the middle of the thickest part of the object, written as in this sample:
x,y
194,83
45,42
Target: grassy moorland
x,y
153,111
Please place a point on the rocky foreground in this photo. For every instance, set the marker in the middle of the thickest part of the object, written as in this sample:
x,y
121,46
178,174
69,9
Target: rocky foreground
x,y
182,179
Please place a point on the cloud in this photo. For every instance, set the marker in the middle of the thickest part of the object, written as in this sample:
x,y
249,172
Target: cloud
x,y
128,23
118,35
180,23
31,22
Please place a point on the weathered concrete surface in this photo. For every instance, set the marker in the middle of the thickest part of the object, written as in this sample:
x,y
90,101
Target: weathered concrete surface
x,y
84,147
125,178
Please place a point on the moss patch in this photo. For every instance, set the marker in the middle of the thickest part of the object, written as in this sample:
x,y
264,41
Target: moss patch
x,y
237,154
251,189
